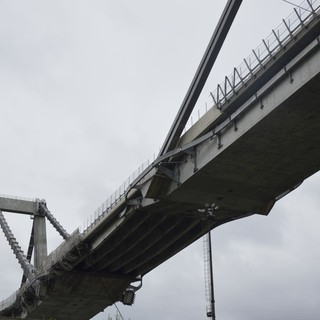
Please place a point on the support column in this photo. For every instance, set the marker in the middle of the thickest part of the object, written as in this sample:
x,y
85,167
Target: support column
x,y
40,240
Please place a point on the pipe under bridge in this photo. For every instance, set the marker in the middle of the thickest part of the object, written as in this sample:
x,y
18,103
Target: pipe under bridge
x,y
258,142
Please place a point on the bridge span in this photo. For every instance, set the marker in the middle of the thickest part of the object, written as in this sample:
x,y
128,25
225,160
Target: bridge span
x,y
258,142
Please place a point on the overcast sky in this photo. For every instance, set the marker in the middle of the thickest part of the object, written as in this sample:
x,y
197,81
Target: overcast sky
x,y
88,91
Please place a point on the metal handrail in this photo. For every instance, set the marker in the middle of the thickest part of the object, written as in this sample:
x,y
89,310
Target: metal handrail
x,y
56,255
106,207
259,57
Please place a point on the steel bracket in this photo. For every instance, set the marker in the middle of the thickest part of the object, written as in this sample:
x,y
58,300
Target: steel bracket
x,y
220,145
192,152
172,174
134,202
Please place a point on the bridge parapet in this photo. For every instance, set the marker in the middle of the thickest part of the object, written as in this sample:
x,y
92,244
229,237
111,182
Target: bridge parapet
x,y
57,255
18,204
116,197
290,28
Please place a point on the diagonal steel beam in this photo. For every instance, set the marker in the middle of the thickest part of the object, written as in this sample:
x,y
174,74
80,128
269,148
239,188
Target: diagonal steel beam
x,y
201,75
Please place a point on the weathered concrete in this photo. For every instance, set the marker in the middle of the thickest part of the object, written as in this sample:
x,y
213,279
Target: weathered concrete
x,y
271,146
79,296
18,205
40,241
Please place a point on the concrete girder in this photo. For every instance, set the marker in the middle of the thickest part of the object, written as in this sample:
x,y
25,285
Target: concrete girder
x,y
268,157
156,249
118,246
262,148
40,241
80,295
18,205
146,240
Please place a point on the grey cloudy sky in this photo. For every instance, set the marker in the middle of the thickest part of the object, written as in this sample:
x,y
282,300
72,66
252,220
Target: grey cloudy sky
x,y
88,91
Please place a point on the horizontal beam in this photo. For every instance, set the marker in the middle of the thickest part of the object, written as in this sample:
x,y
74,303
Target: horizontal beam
x,y
23,206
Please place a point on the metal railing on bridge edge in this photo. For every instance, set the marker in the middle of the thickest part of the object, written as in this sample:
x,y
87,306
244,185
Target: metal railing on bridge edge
x,y
56,255
231,84
105,208
266,51
4,304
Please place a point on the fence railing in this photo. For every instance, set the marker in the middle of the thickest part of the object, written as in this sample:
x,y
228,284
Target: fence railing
x,y
105,208
259,57
56,255
231,84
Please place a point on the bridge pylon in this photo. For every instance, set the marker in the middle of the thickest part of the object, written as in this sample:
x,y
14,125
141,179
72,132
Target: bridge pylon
x,y
37,247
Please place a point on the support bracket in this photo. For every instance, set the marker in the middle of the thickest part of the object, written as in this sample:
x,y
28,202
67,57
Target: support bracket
x,y
192,152
172,174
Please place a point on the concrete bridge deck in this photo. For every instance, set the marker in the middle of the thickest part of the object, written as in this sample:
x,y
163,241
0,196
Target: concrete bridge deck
x,y
245,157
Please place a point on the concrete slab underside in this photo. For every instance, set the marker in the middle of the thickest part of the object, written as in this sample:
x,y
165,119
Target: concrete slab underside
x,y
80,296
277,153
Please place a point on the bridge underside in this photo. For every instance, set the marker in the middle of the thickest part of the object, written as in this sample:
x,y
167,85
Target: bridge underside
x,y
272,157
272,148
79,296
259,151
76,296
